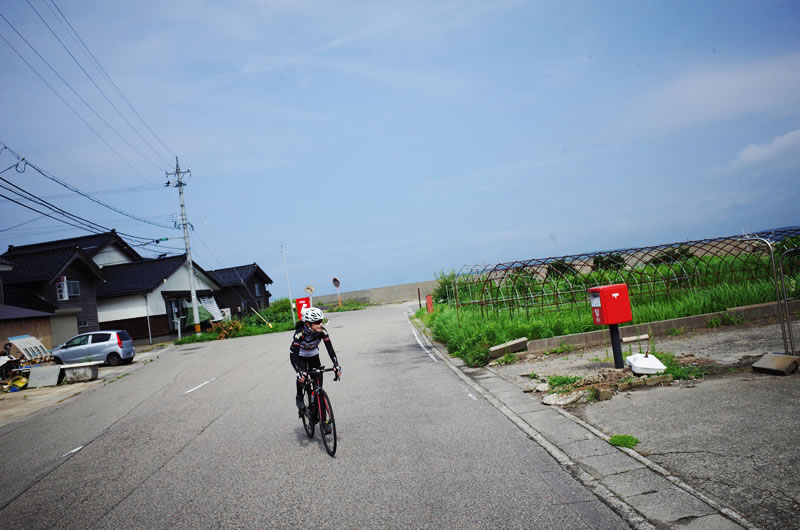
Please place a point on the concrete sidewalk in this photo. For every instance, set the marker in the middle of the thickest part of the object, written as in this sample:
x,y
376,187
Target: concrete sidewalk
x,y
733,437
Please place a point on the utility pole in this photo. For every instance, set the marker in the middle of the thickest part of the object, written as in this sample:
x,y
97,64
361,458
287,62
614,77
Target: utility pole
x,y
291,302
179,184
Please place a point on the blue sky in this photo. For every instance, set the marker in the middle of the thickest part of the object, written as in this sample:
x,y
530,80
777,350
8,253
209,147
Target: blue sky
x,y
381,142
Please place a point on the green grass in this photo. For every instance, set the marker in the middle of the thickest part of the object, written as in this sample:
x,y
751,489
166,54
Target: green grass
x,y
556,381
533,375
623,440
679,372
508,358
477,332
562,348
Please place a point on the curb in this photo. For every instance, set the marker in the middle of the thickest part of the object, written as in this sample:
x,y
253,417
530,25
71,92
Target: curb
x,y
619,506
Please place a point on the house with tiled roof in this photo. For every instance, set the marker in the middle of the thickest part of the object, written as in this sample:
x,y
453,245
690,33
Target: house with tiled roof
x,y
61,277
106,248
243,287
61,281
148,297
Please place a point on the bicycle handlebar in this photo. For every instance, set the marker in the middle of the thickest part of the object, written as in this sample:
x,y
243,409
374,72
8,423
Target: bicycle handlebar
x,y
321,370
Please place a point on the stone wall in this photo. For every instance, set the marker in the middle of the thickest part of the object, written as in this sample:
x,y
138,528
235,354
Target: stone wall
x,y
382,295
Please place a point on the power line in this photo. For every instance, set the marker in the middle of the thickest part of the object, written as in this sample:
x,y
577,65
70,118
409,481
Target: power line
x,y
241,280
26,222
99,90
111,82
70,107
76,190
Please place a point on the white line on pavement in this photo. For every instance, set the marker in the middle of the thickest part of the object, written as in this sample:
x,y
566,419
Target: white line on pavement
x,y
200,385
72,452
414,331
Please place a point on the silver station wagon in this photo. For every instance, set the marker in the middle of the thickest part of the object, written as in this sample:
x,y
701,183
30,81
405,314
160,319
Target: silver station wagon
x,y
111,347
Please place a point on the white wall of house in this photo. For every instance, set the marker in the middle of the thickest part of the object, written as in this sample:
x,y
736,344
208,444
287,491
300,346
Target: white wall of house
x,y
123,307
133,306
111,255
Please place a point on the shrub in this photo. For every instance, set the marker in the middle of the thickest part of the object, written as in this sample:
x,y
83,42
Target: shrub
x,y
612,261
444,287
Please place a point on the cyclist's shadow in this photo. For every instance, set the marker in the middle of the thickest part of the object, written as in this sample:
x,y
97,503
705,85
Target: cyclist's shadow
x,y
304,441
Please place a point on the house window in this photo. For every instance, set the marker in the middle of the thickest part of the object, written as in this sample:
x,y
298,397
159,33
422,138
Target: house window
x,y
244,306
258,289
73,288
83,324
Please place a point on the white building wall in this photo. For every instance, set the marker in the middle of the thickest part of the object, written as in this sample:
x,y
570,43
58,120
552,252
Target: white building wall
x,y
133,306
111,255
123,307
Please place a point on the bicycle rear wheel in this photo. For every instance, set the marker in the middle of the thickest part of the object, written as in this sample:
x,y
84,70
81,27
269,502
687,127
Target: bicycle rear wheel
x,y
328,438
308,415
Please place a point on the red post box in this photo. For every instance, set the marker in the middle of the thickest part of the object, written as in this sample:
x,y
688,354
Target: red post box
x,y
610,304
302,303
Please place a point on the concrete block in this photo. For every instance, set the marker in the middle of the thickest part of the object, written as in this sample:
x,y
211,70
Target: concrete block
x,y
511,346
604,394
43,376
80,374
654,380
775,364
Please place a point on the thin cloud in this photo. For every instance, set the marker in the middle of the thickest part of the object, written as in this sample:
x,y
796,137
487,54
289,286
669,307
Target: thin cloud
x,y
717,94
782,152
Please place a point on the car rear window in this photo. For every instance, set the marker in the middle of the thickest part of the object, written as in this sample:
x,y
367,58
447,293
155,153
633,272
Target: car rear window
x,y
124,335
100,337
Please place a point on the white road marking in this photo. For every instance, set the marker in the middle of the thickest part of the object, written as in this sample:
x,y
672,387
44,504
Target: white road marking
x,y
200,385
414,331
72,452
473,397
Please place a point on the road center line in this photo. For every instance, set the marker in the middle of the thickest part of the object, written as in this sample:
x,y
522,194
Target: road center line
x,y
72,452
199,386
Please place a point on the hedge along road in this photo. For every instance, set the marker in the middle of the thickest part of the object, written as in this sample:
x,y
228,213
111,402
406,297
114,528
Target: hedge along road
x,y
208,435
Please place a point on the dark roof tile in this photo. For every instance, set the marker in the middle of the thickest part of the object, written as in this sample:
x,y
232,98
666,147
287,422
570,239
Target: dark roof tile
x,y
236,275
138,277
91,244
10,312
45,265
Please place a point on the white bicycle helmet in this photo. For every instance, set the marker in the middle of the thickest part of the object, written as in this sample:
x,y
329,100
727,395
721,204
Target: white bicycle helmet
x,y
312,314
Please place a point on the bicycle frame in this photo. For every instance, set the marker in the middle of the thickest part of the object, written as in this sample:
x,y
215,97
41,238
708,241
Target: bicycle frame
x,y
311,386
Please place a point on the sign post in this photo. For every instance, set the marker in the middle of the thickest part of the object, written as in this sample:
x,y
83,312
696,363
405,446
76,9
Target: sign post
x,y
310,290
336,284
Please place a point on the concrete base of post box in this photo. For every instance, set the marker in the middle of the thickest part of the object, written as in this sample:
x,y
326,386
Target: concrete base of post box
x,y
511,346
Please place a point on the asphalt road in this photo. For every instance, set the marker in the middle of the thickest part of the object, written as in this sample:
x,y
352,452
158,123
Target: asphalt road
x,y
208,435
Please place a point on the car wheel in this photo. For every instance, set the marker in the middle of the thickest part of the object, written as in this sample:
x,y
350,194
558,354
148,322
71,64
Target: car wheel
x,y
58,360
113,359
127,361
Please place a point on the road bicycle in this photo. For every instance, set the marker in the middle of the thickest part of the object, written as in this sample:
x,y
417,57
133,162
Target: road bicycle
x,y
317,408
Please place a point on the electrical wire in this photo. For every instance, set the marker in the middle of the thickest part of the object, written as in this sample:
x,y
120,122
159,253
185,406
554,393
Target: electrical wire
x,y
241,280
111,81
79,192
26,222
70,107
91,79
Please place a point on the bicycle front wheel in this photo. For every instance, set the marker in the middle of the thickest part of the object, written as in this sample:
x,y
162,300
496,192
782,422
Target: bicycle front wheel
x,y
308,415
328,425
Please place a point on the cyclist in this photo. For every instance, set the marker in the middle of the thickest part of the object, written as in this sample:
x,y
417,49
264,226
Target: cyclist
x,y
304,351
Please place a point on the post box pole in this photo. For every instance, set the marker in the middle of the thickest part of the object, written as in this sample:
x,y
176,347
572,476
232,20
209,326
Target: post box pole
x,y
616,345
